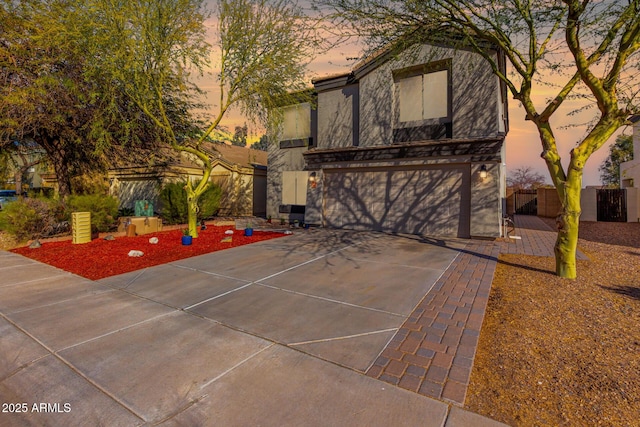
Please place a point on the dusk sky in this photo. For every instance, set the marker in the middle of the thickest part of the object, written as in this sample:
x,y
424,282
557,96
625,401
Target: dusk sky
x,y
523,143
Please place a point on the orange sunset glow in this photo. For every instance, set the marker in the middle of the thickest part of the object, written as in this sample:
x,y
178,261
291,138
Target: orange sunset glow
x,y
523,143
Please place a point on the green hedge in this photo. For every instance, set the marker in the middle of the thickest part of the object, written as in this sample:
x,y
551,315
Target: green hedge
x,y
173,197
104,209
30,218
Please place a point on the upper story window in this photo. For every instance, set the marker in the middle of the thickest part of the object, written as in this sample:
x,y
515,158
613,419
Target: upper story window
x,y
423,97
423,102
297,122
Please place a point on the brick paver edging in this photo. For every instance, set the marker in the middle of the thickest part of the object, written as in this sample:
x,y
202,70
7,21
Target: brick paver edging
x,y
432,353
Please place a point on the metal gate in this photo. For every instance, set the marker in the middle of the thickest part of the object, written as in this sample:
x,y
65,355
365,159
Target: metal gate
x,y
526,202
612,205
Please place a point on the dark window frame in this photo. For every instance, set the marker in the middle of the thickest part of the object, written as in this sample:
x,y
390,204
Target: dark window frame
x,y
433,128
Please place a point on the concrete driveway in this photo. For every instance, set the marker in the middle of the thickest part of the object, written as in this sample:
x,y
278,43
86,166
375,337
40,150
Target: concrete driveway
x,y
275,333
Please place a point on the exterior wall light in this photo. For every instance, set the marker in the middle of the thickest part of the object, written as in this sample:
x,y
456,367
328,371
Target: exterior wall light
x,y
312,180
483,171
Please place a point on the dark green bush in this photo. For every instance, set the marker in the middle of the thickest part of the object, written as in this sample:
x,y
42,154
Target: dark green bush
x,y
173,198
30,218
104,209
125,212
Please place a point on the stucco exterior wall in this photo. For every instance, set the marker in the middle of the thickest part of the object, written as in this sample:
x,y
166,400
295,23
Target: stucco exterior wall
x,y
486,201
313,212
548,202
376,107
630,171
589,204
475,96
279,160
633,204
338,119
476,90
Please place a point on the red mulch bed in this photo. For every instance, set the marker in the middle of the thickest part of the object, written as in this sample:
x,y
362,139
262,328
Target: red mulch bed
x,y
103,258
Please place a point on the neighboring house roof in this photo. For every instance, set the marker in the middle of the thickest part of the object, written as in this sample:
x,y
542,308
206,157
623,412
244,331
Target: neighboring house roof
x,y
235,155
230,155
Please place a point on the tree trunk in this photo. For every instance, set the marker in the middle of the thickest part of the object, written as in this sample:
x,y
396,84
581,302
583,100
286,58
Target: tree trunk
x,y
62,175
55,151
193,195
568,222
18,179
567,244
192,211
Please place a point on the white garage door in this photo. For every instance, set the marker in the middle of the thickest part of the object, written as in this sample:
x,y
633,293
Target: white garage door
x,y
429,200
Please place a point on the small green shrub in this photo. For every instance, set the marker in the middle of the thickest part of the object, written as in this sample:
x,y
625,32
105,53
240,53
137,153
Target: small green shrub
x,y
174,210
30,218
103,209
125,212
173,198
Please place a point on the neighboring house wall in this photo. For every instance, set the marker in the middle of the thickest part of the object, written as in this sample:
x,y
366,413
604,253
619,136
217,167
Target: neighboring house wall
x,y
630,171
144,183
243,181
589,204
633,204
630,175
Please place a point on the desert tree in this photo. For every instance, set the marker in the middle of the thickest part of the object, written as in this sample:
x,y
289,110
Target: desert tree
x,y
23,156
52,92
240,136
262,144
619,152
42,91
590,47
260,52
525,178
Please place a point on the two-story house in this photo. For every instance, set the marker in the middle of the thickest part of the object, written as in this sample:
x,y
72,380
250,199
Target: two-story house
x,y
410,143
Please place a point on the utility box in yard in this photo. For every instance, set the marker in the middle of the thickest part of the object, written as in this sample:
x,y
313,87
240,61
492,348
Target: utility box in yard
x,y
143,208
81,227
144,225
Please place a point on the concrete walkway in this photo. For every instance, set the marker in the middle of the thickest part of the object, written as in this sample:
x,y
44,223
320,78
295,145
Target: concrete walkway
x,y
292,331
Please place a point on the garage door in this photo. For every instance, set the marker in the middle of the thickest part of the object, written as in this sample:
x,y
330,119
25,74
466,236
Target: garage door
x,y
428,200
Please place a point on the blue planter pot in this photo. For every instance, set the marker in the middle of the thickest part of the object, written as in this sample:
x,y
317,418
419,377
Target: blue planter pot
x,y
187,240
248,231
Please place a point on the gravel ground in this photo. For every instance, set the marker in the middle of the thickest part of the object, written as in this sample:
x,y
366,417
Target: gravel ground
x,y
556,352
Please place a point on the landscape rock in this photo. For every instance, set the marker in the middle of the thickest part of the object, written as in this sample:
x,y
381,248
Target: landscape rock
x,y
35,244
